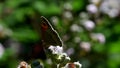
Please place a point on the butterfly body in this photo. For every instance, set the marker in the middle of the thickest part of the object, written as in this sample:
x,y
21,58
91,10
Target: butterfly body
x,y
49,35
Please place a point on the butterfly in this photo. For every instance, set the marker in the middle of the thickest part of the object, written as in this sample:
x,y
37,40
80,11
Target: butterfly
x,y
49,34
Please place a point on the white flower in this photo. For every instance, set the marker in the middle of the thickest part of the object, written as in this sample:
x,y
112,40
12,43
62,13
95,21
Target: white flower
x,y
113,13
60,56
110,7
75,28
54,20
98,36
88,24
101,38
78,64
92,8
84,15
56,49
67,58
86,46
68,6
1,50
63,55
68,15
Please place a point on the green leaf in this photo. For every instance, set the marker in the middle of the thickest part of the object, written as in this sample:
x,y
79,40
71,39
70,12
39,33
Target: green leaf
x,y
78,5
46,9
114,47
25,35
117,29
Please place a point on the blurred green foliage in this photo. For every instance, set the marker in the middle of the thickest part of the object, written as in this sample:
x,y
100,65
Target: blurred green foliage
x,y
19,32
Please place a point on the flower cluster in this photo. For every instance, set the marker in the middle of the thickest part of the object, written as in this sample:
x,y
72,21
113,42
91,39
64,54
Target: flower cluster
x,y
109,7
58,56
61,58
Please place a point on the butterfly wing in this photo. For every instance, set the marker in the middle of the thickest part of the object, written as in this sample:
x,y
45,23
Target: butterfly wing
x,y
49,35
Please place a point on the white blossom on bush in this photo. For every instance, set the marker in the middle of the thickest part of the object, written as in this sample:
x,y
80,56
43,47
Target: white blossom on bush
x,y
110,7
92,8
75,28
84,15
88,24
98,36
78,65
56,49
85,46
67,6
54,20
68,15
1,50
